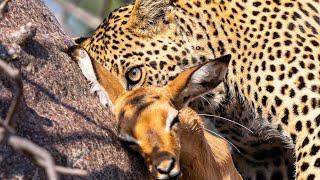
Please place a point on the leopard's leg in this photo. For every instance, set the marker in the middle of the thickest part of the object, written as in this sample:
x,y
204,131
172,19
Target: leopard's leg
x,y
261,157
273,169
262,154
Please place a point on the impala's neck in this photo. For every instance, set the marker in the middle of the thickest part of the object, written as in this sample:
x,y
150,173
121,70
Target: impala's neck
x,y
203,156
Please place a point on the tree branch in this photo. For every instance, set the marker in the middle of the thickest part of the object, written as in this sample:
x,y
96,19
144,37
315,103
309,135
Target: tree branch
x,y
105,5
23,34
3,5
10,48
57,111
41,156
13,74
87,18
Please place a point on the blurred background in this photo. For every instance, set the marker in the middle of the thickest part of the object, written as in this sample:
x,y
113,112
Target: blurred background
x,y
81,17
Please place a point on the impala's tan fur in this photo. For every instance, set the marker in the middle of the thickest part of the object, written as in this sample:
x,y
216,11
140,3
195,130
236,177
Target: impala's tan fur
x,y
201,155
143,115
212,160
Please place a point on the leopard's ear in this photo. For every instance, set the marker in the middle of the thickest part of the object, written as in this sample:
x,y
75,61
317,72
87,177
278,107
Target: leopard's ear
x,y
149,16
80,40
198,80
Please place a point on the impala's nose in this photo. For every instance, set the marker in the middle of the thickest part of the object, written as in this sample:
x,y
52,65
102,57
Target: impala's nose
x,y
166,165
168,169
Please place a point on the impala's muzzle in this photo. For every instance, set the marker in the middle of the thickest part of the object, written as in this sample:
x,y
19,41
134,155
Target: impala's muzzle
x,y
167,167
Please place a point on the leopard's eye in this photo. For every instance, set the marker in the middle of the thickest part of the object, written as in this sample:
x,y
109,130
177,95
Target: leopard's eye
x,y
133,76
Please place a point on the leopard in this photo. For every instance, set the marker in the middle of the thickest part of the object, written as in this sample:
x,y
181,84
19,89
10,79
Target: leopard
x,y
268,106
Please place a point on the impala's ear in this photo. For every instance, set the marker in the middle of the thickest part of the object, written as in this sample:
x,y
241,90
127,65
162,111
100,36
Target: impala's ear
x,y
104,83
150,15
109,82
198,80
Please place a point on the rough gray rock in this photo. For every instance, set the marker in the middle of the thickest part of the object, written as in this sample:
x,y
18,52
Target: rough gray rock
x,y
58,111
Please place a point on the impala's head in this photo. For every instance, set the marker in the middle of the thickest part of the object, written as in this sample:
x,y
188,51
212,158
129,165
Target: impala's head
x,y
148,116
148,123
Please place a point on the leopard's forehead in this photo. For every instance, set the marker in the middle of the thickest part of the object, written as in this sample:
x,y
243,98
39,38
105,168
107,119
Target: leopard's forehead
x,y
108,39
117,46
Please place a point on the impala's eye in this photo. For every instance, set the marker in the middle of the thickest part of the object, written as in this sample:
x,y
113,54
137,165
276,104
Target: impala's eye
x,y
133,76
129,141
174,122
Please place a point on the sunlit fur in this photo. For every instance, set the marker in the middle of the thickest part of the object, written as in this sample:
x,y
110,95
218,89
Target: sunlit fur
x,y
146,119
142,116
145,114
273,78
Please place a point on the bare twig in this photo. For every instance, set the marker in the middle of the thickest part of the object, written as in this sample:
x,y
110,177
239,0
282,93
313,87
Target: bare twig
x,y
105,5
71,171
41,155
43,158
15,75
10,49
23,34
5,130
3,5
87,18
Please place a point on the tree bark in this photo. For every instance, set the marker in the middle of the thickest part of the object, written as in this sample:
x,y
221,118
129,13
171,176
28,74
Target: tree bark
x,y
58,112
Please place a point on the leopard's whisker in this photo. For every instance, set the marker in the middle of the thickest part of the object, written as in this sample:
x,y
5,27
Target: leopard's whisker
x,y
212,132
206,100
226,119
211,95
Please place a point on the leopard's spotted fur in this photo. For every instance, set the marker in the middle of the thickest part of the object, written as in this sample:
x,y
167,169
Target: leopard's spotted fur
x,y
273,82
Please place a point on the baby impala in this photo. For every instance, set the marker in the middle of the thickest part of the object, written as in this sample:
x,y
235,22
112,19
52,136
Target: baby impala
x,y
171,138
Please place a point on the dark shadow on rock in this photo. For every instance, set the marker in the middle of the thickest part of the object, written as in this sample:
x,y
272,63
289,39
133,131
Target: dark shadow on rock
x,y
56,100
58,114
4,106
35,49
114,172
18,162
80,136
33,126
